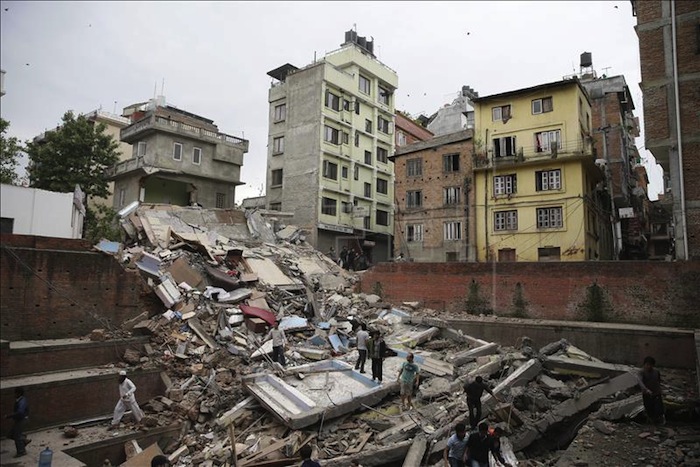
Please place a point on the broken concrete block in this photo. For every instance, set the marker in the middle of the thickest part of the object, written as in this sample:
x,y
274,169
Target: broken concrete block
x,y
168,293
179,452
461,358
181,271
626,408
585,368
132,356
98,335
146,328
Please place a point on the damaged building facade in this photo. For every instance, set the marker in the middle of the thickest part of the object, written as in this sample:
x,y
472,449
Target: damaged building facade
x,y
331,132
177,158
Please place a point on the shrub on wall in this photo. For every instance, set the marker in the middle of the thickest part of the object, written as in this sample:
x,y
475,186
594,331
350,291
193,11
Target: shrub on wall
x,y
519,302
475,304
596,307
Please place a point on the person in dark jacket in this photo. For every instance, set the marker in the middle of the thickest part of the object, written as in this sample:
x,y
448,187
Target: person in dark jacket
x,y
479,445
650,382
376,348
474,391
19,415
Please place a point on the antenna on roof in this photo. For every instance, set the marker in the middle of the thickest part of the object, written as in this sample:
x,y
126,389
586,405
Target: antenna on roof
x,y
162,86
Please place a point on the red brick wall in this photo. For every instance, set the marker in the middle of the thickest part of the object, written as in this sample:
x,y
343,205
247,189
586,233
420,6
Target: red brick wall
x,y
650,293
56,288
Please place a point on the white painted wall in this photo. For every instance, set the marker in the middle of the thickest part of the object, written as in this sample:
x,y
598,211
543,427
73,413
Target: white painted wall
x,y
40,212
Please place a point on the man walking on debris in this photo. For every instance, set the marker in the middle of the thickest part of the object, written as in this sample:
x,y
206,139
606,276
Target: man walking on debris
x,y
19,414
480,444
474,391
305,453
454,454
344,258
408,377
127,400
376,347
279,342
362,336
650,382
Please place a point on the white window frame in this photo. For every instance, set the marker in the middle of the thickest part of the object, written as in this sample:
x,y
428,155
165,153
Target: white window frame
x,y
382,154
383,125
176,155
384,96
505,184
550,218
497,113
277,145
452,195
505,220
549,180
538,105
280,113
365,85
401,138
452,231
414,233
196,156
332,99
326,206
414,199
414,167
328,169
544,140
141,152
331,135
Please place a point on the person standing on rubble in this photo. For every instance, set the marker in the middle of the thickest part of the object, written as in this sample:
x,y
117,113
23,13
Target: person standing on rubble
x,y
19,415
279,342
332,255
344,258
127,400
480,444
454,454
362,336
650,382
305,453
474,391
376,348
409,378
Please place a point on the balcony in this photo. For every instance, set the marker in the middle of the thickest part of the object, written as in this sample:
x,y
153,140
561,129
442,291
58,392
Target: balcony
x,y
131,133
484,159
124,167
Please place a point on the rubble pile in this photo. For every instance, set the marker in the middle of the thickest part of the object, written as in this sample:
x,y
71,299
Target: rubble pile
x,y
223,280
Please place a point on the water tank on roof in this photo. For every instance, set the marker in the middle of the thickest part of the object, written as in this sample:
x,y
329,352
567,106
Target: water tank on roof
x,y
586,60
362,42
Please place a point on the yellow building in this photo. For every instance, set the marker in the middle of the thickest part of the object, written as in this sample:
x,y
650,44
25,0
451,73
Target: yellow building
x,y
539,195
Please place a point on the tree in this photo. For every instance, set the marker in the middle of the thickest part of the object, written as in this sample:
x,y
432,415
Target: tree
x,y
76,153
9,152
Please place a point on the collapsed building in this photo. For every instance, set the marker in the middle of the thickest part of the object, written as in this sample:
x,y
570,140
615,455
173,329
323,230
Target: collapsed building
x,y
199,354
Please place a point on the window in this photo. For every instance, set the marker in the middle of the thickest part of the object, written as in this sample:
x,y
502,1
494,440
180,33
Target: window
x,y
452,230
276,177
332,101
414,233
122,196
549,218
368,126
400,138
346,207
382,186
275,206
357,107
505,185
368,190
177,151
330,170
547,180
414,199
451,195
221,200
366,223
196,156
500,113
505,220
346,104
356,173
382,155
414,167
280,113
450,162
357,139
384,96
277,145
383,125
329,206
344,172
7,225
504,147
541,105
331,135
346,138
382,217
365,85
549,254
141,149
368,157
547,141
451,257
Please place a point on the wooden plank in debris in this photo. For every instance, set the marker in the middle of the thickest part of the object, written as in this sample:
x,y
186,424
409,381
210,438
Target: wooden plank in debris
x,y
236,411
144,457
260,454
196,326
358,447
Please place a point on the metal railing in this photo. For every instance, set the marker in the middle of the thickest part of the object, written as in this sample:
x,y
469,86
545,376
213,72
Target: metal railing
x,y
488,158
156,121
125,166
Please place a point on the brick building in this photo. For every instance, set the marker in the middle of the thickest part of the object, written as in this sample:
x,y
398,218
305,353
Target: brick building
x,y
433,195
669,49
408,131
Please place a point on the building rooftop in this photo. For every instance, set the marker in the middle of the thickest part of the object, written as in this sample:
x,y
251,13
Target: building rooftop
x,y
455,137
539,87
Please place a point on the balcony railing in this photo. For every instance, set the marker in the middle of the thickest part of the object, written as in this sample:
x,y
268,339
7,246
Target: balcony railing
x,y
125,166
154,122
487,158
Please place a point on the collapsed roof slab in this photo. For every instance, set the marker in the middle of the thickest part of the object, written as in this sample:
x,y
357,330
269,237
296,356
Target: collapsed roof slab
x,y
329,388
585,368
530,432
427,364
465,356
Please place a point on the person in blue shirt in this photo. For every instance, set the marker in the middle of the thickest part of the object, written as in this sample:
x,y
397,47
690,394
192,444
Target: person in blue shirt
x,y
456,448
20,415
408,378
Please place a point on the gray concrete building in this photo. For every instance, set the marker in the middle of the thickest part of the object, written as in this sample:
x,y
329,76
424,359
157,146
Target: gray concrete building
x,y
331,128
177,158
454,117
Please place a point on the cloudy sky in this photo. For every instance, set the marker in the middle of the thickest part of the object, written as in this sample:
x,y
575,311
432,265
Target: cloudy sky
x,y
213,57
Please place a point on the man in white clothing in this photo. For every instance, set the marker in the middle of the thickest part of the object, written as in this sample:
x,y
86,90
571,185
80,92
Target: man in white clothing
x,y
127,400
279,342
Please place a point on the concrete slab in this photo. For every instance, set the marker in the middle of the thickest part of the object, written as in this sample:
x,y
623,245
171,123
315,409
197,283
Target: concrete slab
x,y
519,377
268,273
585,368
406,336
329,389
427,364
465,356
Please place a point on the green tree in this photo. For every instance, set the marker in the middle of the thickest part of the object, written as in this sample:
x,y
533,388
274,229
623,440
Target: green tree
x,y
9,153
76,153
100,222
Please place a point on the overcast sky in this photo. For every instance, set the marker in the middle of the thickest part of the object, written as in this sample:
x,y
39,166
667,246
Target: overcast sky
x,y
214,56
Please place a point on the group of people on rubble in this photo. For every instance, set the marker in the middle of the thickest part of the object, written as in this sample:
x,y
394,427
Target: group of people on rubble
x,y
349,259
